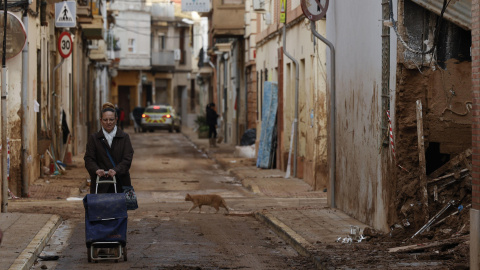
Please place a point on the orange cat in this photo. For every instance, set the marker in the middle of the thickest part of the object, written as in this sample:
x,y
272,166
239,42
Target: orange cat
x,y
212,200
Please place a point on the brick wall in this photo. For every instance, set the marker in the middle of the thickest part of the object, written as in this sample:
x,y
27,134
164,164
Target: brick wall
x,y
476,103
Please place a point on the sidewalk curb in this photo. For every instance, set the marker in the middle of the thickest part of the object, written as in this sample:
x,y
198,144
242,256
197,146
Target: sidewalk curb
x,y
28,256
300,244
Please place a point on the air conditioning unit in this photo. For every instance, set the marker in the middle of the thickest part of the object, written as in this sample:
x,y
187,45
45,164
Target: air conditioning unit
x,y
259,6
177,55
268,18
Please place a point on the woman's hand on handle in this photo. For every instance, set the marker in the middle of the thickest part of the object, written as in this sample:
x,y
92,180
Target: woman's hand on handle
x,y
111,173
100,172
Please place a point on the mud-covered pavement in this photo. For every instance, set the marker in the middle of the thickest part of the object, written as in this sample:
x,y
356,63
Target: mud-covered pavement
x,y
161,234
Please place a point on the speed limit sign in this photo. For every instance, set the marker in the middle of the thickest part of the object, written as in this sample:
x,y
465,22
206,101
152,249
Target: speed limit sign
x,y
65,44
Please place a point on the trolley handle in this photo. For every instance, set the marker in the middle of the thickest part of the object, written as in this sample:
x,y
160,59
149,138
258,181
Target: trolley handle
x,y
106,181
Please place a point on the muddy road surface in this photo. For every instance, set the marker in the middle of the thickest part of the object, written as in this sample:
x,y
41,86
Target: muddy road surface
x,y
161,234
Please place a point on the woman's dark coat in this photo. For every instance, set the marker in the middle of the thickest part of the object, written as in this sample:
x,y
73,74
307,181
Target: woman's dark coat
x,y
211,116
96,158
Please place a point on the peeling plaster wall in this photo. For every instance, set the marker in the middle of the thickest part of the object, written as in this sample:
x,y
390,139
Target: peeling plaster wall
x,y
312,161
34,161
355,28
14,128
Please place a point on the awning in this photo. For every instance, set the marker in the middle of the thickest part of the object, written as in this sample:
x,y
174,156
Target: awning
x,y
458,12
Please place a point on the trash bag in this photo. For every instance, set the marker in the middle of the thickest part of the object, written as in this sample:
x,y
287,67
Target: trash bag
x,y
247,151
249,137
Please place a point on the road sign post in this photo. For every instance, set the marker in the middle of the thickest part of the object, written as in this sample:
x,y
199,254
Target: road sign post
x,y
65,44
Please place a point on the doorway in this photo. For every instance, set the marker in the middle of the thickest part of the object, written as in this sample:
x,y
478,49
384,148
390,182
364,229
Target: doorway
x,y
182,99
147,96
161,93
124,103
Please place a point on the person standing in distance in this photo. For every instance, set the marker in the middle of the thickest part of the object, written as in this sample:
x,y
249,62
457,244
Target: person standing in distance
x,y
109,139
212,117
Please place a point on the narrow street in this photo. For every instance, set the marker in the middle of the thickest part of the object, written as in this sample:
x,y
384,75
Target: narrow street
x,y
161,234
348,132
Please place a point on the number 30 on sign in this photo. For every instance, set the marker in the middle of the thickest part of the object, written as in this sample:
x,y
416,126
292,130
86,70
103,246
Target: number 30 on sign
x,y
65,44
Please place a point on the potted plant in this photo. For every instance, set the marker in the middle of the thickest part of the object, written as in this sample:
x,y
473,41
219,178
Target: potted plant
x,y
202,129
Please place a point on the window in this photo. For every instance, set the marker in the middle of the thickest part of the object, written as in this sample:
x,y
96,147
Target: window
x,y
183,58
131,45
161,41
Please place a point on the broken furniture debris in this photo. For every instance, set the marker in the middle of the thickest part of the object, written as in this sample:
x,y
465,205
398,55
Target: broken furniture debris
x,y
430,222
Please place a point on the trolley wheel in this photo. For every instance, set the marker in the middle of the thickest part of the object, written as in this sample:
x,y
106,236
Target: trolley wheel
x,y
125,253
89,254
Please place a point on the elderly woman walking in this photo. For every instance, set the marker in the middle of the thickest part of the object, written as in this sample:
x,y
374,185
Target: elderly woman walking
x,y
109,153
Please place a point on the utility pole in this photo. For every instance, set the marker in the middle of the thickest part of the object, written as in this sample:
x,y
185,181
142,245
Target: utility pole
x,y
4,113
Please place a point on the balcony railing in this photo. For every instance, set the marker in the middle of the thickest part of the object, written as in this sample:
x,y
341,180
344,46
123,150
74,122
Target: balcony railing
x,y
163,60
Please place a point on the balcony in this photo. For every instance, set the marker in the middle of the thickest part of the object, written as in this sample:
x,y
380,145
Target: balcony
x,y
228,18
98,51
163,60
94,28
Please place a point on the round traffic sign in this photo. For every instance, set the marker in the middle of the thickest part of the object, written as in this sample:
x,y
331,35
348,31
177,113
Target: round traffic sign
x,y
314,10
65,44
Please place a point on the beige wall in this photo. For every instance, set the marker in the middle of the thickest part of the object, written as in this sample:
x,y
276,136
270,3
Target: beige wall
x,y
70,97
228,19
311,98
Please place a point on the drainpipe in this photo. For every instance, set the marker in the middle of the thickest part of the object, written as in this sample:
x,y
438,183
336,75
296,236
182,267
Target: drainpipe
x,y
139,91
219,107
25,118
333,154
215,85
295,121
4,114
54,110
225,89
246,98
238,74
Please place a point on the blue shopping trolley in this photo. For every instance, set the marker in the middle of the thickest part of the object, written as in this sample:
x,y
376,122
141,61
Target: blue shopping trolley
x,y
106,224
